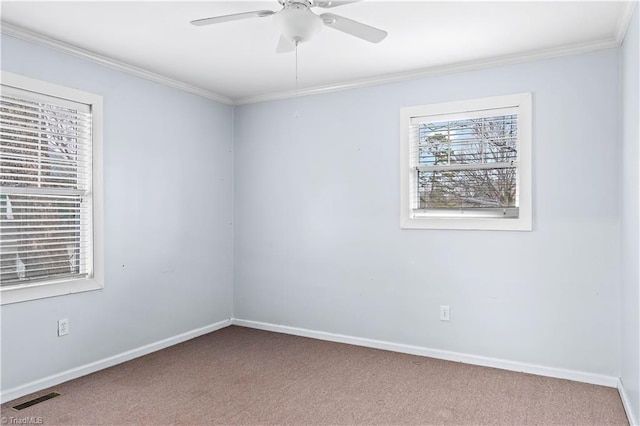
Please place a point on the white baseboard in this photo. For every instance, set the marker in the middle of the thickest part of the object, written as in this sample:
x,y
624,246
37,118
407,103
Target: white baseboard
x,y
626,403
83,370
559,373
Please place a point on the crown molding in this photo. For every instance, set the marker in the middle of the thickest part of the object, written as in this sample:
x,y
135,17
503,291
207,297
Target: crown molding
x,y
438,70
625,20
42,40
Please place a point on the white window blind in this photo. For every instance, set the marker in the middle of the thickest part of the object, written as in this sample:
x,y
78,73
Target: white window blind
x,y
45,188
465,164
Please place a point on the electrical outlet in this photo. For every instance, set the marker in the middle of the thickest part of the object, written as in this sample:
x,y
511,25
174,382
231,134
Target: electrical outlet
x,y
63,327
445,314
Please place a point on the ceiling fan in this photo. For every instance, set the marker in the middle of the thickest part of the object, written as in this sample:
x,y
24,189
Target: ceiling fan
x,y
297,23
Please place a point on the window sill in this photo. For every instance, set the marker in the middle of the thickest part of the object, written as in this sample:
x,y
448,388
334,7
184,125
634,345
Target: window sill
x,y
24,293
464,223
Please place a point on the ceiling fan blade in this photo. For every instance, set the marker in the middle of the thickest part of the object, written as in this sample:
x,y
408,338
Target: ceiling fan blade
x,y
329,4
234,17
285,46
355,28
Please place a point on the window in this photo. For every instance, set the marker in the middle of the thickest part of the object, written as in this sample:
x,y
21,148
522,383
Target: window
x,y
50,190
467,165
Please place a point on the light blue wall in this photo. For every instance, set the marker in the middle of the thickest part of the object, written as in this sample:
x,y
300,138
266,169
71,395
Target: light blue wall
x,y
318,243
630,190
168,210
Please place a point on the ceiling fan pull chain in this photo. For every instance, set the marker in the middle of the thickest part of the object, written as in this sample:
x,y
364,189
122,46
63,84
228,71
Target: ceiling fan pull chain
x,y
296,114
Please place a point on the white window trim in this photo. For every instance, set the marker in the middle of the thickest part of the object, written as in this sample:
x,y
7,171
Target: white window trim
x,y
523,101
40,290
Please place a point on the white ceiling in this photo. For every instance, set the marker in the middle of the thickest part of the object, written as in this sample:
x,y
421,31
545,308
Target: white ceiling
x,y
237,59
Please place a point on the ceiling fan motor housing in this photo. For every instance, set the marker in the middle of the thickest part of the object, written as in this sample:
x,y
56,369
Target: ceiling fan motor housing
x,y
296,21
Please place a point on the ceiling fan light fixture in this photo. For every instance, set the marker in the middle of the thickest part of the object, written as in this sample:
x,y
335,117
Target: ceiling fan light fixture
x,y
297,23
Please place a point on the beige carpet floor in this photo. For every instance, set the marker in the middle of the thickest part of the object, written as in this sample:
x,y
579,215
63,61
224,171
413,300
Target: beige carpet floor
x,y
243,376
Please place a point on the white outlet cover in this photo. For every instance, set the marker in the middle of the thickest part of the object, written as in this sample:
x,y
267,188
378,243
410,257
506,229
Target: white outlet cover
x,y
445,313
63,327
